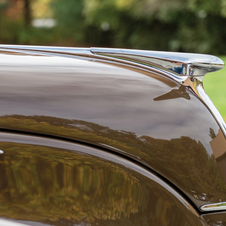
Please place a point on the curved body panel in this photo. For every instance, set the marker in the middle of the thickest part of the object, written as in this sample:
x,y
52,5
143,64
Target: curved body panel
x,y
70,184
137,113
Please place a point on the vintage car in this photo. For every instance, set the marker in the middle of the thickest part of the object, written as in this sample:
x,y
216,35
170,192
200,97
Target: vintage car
x,y
98,136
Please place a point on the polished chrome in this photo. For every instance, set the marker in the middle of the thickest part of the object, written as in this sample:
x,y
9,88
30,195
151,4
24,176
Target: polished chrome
x,y
10,223
182,64
214,206
197,87
211,106
178,65
68,51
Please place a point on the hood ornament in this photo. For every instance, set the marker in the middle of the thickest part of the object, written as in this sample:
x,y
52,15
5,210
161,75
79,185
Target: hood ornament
x,y
181,64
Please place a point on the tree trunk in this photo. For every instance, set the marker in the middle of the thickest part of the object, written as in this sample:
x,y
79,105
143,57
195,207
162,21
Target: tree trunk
x,y
27,12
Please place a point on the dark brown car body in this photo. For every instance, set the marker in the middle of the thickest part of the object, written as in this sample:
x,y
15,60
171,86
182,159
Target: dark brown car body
x,y
89,140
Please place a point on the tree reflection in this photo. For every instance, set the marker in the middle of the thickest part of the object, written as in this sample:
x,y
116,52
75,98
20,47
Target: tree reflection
x,y
49,184
183,160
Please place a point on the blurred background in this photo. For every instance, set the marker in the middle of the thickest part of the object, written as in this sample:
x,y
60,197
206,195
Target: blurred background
x,y
197,26
172,25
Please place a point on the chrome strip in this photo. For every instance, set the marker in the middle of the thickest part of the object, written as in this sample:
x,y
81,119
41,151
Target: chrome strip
x,y
196,86
214,206
212,107
183,64
51,50
10,223
179,65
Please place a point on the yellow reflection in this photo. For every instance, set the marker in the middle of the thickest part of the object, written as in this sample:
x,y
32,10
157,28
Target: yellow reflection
x,y
183,160
40,183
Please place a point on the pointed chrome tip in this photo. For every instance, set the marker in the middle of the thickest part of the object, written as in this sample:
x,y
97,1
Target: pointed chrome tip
x,y
178,65
182,64
214,207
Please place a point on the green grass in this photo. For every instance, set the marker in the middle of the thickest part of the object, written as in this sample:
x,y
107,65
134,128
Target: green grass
x,y
215,86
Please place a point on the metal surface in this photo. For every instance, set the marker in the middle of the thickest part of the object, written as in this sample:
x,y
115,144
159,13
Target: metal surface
x,y
198,88
10,223
214,206
186,68
182,64
52,182
46,50
128,108
215,219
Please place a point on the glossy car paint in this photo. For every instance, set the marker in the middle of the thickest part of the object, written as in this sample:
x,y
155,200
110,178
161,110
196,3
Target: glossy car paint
x,y
128,110
215,219
53,182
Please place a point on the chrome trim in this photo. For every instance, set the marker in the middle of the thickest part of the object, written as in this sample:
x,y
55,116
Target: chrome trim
x,y
182,64
51,50
196,87
214,206
10,223
211,106
178,65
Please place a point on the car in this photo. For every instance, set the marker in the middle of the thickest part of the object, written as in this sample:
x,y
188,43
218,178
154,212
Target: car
x,y
101,136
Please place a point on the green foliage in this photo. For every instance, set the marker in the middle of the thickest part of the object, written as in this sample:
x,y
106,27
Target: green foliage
x,y
214,84
191,26
209,6
15,32
69,18
174,25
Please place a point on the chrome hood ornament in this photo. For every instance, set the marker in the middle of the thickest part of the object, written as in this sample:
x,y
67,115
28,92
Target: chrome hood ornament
x,y
182,64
